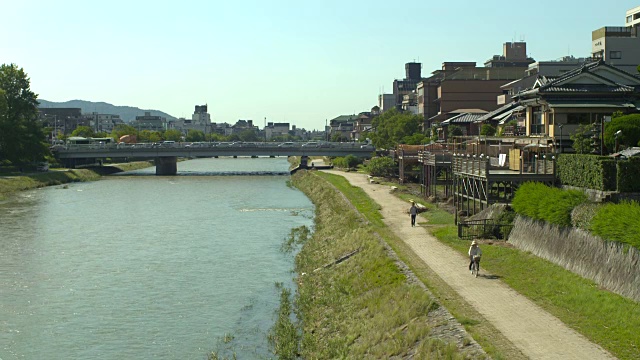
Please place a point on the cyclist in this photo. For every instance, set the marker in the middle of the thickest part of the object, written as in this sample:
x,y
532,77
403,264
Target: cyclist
x,y
473,251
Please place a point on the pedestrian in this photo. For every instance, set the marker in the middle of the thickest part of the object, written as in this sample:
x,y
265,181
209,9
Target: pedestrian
x,y
413,211
474,250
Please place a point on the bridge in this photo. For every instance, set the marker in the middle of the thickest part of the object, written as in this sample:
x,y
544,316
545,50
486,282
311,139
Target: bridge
x,y
166,155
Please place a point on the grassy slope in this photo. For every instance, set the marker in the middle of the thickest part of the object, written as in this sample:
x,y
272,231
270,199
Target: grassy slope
x,y
362,307
491,340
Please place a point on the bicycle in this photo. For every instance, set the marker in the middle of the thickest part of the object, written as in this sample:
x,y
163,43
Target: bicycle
x,y
475,265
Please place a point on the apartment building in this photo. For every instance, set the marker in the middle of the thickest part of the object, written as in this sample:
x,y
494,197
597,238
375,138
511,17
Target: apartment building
x,y
619,46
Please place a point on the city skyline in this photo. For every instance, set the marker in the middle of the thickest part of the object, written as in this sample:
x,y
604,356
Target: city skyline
x,y
286,61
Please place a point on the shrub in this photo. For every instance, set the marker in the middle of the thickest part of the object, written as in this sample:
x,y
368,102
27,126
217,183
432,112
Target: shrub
x,y
582,215
540,202
382,166
618,222
347,162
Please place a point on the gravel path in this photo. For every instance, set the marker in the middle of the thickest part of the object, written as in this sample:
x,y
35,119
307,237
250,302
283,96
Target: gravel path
x,y
538,334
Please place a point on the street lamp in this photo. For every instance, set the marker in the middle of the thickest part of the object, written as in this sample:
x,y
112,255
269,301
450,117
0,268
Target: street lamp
x,y
617,135
560,126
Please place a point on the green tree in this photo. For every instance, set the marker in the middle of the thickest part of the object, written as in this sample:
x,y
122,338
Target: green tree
x,y
84,131
392,128
415,139
487,130
22,137
194,135
123,129
248,135
173,135
629,125
454,130
382,166
581,139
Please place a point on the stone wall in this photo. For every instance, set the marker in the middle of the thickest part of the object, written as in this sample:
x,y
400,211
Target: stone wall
x,y
611,265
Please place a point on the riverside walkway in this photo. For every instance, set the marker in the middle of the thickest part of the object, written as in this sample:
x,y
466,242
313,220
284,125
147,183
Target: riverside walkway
x,y
538,334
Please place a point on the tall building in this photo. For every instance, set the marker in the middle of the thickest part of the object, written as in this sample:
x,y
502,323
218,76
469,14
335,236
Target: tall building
x,y
402,87
514,54
201,116
619,46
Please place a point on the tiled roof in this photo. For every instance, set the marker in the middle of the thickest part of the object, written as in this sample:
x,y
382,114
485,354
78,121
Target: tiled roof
x,y
498,111
464,118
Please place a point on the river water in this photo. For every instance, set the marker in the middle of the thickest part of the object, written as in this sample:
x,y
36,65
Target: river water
x,y
138,266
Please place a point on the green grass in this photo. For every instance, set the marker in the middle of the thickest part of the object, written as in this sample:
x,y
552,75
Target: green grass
x,y
362,307
605,318
492,341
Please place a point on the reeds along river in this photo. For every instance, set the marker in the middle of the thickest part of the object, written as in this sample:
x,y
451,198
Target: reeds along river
x,y
139,267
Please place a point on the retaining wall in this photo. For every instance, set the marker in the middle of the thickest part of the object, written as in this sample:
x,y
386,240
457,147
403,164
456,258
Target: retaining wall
x,y
611,265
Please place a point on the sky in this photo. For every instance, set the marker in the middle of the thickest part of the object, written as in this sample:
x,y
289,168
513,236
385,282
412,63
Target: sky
x,y
301,62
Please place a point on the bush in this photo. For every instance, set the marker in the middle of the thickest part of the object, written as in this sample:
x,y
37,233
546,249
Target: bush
x,y
347,162
582,215
487,130
382,166
618,222
540,202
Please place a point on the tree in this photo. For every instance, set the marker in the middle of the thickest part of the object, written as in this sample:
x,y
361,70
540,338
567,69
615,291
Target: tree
x,y
392,128
194,135
581,139
382,166
487,130
173,135
248,135
122,129
454,130
629,125
84,131
22,137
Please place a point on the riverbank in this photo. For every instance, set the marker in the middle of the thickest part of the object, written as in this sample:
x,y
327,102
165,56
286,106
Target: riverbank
x,y
577,302
355,298
19,182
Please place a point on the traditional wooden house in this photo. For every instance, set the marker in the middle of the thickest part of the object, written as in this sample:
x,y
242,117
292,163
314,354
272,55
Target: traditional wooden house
x,y
555,106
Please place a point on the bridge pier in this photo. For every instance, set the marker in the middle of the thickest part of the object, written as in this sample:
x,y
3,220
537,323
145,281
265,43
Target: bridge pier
x,y
166,165
304,160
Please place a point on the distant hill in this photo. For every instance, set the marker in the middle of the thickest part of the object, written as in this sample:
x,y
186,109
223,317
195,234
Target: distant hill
x,y
127,113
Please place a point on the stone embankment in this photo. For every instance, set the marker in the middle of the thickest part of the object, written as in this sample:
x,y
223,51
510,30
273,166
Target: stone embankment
x,y
611,265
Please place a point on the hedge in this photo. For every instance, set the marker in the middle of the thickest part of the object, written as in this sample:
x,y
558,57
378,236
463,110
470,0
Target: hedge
x,y
588,171
618,222
540,202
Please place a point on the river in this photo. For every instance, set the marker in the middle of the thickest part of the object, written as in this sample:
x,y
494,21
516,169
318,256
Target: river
x,y
138,266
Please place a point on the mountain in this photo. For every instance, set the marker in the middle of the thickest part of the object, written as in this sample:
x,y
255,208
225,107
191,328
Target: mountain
x,y
127,113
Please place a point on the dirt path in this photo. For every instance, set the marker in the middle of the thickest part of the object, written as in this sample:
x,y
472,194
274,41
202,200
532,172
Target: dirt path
x,y
535,332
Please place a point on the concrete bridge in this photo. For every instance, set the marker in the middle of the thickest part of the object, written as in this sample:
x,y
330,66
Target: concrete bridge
x,y
165,156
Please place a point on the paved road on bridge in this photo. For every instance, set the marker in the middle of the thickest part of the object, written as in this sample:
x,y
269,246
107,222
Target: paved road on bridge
x,y
535,332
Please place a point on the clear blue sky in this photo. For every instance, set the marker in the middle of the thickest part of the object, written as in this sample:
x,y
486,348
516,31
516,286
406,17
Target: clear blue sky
x,y
290,61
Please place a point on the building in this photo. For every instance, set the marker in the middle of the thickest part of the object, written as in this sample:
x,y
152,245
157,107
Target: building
x,y
200,121
407,85
555,67
273,130
556,106
619,46
386,102
632,18
514,54
149,122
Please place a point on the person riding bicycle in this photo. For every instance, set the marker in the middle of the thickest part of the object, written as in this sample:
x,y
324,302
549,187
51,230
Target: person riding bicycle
x,y
474,250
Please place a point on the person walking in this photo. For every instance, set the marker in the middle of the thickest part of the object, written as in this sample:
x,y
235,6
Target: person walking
x,y
413,211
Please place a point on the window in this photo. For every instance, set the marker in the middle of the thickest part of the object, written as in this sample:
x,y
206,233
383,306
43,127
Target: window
x,y
615,54
629,18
